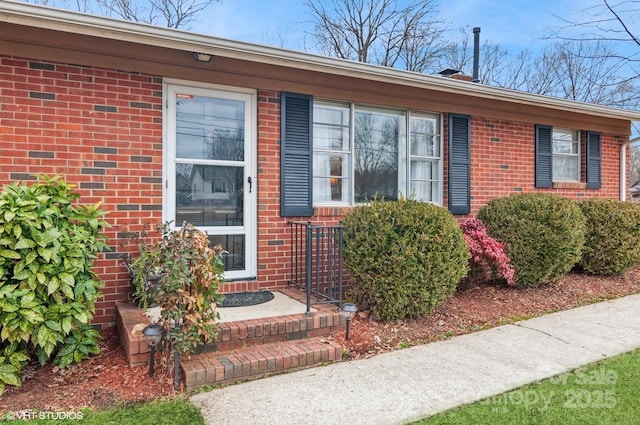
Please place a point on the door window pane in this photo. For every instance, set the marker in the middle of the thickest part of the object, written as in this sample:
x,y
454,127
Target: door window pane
x,y
234,245
208,195
209,163
209,128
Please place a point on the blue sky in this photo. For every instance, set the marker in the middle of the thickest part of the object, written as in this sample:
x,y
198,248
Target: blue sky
x,y
515,25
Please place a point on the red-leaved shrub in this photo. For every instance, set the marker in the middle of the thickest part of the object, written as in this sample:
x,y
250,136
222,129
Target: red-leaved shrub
x,y
488,259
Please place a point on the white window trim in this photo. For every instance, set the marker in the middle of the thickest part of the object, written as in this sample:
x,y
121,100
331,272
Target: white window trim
x,y
250,161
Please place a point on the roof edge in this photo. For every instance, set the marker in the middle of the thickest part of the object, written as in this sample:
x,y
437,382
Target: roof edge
x,y
104,27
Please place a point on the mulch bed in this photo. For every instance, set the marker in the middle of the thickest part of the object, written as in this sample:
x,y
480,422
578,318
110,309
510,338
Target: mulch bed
x,y
107,379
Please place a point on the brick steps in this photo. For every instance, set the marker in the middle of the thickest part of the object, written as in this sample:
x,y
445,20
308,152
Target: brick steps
x,y
246,349
243,333
242,364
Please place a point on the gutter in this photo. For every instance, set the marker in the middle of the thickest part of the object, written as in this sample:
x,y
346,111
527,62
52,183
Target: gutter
x,y
623,167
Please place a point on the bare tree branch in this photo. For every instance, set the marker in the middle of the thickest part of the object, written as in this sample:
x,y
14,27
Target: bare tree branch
x,y
622,23
169,13
378,31
614,75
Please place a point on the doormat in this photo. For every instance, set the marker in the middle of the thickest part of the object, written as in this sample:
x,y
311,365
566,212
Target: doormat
x,y
244,299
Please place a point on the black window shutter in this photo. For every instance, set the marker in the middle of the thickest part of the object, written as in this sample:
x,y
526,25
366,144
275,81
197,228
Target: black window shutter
x,y
544,156
459,164
594,168
296,155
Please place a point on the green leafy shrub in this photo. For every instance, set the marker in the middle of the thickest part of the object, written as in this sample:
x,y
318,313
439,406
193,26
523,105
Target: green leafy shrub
x,y
47,290
405,257
613,236
145,267
543,234
190,271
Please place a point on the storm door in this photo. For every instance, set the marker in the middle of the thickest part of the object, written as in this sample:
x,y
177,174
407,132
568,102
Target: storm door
x,y
210,179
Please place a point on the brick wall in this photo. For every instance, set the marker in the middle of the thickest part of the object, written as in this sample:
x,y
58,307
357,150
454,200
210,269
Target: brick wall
x,y
503,163
102,130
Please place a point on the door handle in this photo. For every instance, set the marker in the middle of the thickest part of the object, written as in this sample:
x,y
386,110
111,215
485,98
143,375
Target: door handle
x,y
250,183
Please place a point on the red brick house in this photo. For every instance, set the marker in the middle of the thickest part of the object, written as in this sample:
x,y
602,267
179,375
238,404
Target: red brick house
x,y
161,124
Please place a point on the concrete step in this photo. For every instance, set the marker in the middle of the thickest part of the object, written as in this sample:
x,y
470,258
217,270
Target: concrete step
x,y
246,363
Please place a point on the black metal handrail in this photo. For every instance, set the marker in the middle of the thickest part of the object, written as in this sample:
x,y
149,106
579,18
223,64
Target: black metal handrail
x,y
316,262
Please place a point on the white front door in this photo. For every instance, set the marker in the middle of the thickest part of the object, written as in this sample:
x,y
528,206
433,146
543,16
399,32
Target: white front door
x,y
209,169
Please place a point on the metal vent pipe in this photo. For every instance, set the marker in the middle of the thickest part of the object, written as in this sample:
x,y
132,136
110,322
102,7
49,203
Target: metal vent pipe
x,y
476,54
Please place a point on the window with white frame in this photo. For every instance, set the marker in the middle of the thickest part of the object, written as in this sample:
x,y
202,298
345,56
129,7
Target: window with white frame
x,y
425,160
331,153
566,155
362,152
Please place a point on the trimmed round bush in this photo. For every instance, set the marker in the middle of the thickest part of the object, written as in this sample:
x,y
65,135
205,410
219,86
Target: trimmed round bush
x,y
405,257
612,243
543,234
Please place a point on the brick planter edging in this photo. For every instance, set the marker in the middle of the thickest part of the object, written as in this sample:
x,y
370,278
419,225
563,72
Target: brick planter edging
x,y
128,315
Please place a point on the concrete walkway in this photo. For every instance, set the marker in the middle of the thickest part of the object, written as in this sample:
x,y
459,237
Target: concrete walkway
x,y
409,384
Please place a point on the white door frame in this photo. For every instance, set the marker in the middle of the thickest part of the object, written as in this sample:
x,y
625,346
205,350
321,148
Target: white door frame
x,y
249,96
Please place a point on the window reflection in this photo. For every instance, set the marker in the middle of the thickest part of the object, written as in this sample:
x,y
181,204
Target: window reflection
x,y
209,128
331,182
393,152
331,158
208,195
377,138
234,247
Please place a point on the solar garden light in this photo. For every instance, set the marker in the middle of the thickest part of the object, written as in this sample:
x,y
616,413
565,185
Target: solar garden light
x,y
348,310
153,334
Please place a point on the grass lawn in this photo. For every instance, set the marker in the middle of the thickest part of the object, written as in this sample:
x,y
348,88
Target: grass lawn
x,y
169,412
602,393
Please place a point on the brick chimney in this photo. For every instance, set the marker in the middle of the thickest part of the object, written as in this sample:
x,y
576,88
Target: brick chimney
x,y
462,77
